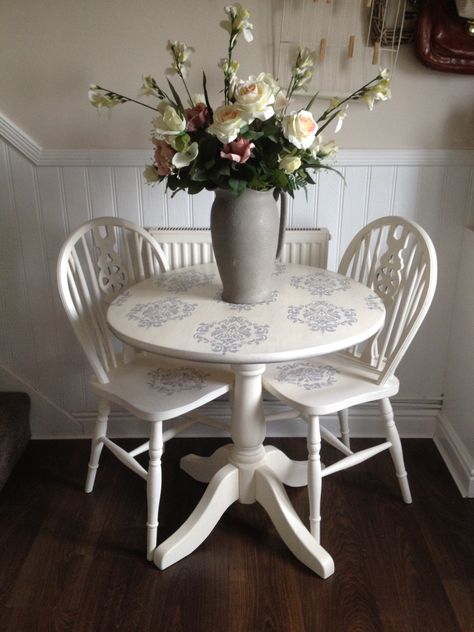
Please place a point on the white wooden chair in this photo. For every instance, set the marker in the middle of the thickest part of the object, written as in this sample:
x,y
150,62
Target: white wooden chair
x,y
397,260
96,263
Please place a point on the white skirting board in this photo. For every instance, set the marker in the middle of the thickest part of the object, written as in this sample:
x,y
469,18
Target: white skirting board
x,y
415,419
455,455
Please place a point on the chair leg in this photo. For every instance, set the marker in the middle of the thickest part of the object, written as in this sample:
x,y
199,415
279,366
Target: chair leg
x,y
153,486
344,426
396,449
314,476
100,430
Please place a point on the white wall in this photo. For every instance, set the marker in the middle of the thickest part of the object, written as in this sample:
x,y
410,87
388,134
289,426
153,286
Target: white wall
x,y
455,434
53,49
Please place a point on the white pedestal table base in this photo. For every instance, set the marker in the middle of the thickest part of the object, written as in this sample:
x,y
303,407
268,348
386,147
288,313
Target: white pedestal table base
x,y
250,472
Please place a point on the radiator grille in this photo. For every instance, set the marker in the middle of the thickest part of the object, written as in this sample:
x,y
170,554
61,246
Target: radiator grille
x,y
192,246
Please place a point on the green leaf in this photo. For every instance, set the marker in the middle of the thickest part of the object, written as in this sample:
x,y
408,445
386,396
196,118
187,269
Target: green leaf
x,y
199,175
176,97
311,101
206,97
195,187
237,186
250,135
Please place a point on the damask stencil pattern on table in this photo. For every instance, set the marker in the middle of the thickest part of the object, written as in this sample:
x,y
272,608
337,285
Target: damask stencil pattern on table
x,y
184,280
158,313
373,301
320,283
231,334
322,316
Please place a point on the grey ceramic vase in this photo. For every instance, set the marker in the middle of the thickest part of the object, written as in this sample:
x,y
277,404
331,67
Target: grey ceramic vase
x,y
247,237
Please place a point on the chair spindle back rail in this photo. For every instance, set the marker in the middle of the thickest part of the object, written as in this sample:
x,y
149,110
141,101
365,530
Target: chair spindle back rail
x,y
397,260
99,261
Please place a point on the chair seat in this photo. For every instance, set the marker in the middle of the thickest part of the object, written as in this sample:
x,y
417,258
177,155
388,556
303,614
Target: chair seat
x,y
158,388
325,385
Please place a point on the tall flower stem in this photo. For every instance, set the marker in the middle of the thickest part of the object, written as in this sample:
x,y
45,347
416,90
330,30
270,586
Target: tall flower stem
x,y
358,93
181,76
124,98
179,72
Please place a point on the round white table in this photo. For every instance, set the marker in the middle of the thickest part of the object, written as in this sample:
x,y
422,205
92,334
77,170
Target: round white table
x,y
309,312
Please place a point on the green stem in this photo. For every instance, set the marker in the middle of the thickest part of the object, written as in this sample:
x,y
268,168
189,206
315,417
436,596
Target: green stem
x,y
325,114
122,96
232,42
180,74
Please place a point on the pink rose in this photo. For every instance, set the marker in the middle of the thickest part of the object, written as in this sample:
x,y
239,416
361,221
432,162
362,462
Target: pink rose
x,y
163,155
239,150
197,117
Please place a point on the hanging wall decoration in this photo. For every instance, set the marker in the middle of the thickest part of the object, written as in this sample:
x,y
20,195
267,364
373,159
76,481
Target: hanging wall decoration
x,y
352,39
445,35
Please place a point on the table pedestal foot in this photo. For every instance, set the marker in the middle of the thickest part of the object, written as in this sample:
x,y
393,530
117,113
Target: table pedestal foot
x,y
273,498
203,468
221,492
289,472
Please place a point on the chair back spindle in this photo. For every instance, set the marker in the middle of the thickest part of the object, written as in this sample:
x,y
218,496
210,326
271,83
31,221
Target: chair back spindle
x,y
396,259
99,261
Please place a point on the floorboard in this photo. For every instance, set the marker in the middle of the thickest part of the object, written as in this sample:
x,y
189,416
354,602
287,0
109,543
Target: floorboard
x,y
75,562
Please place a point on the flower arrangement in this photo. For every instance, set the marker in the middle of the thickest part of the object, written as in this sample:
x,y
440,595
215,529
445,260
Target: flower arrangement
x,y
254,139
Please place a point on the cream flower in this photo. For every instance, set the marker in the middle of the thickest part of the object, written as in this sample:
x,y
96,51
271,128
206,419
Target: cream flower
x,y
299,128
100,98
169,122
228,120
380,91
341,115
239,21
149,87
185,158
289,164
319,149
197,98
255,98
180,54
303,70
151,174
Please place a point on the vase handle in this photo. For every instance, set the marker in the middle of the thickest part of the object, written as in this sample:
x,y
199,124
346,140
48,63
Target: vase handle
x,y
283,213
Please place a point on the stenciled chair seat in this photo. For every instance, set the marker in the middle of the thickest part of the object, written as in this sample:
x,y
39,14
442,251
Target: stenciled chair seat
x,y
156,388
97,263
397,260
326,384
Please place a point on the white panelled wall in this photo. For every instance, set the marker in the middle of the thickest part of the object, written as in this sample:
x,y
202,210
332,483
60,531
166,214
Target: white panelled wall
x,y
45,194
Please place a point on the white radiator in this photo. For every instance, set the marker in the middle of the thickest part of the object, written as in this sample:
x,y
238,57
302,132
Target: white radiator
x,y
191,246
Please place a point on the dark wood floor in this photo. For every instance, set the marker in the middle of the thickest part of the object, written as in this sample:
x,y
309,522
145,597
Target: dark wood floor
x,y
71,561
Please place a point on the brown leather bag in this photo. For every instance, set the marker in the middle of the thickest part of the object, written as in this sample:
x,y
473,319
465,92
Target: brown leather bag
x,y
442,40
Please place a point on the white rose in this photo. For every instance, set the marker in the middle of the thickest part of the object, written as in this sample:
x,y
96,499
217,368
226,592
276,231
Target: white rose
x,y
228,119
290,163
169,122
255,98
300,128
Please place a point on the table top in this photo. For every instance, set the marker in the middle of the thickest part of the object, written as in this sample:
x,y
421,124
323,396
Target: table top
x,y
309,312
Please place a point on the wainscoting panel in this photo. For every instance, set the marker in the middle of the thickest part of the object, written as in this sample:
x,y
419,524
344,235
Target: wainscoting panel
x,y
45,194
